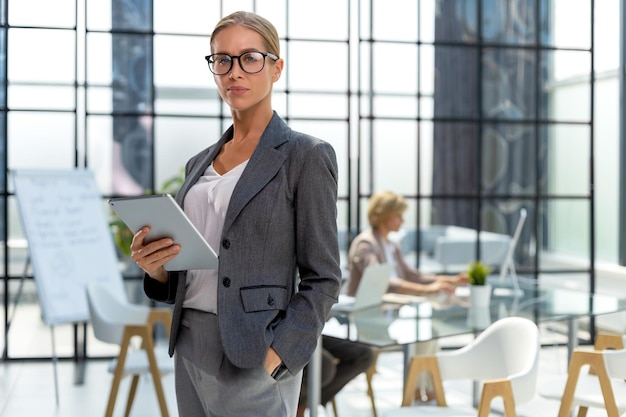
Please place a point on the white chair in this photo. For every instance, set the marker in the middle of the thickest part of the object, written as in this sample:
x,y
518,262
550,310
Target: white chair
x,y
602,387
505,357
116,321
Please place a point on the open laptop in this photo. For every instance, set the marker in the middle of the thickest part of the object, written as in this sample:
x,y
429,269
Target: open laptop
x,y
374,284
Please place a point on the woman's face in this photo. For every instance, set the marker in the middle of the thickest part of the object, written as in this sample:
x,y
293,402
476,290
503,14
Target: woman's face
x,y
394,222
240,90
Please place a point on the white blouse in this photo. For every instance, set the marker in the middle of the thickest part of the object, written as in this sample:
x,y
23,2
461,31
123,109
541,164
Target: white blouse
x,y
206,204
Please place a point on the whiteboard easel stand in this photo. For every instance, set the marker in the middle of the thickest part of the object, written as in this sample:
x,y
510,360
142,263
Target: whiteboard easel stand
x,y
5,355
12,313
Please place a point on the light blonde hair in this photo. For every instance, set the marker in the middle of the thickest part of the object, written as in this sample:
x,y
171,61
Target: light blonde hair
x,y
252,21
384,204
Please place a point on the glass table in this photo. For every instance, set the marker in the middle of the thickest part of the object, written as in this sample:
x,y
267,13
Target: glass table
x,y
407,320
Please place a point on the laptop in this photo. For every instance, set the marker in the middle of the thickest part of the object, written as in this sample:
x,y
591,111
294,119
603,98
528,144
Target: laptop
x,y
374,284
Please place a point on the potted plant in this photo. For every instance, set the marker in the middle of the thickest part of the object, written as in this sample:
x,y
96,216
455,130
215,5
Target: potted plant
x,y
477,273
478,315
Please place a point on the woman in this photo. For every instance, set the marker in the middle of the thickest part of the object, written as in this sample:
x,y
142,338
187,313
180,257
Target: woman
x,y
264,197
372,247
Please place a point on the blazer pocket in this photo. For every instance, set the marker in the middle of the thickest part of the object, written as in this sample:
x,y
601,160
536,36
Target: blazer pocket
x,y
263,298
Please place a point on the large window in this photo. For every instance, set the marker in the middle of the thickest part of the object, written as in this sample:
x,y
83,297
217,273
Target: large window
x,y
471,109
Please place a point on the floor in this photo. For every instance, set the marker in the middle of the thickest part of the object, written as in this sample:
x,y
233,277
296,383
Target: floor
x,y
27,389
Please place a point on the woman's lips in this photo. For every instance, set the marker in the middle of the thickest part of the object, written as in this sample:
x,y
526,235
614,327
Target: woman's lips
x,y
237,90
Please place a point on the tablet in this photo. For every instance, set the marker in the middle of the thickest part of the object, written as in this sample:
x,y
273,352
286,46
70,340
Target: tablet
x,y
166,219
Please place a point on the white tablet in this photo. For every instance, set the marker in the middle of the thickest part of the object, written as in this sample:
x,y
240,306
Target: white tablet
x,y
167,219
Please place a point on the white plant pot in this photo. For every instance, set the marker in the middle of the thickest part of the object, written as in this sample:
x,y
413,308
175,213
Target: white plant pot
x,y
478,315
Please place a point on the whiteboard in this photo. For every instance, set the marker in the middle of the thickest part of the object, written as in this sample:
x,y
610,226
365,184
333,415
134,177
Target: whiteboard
x,y
69,240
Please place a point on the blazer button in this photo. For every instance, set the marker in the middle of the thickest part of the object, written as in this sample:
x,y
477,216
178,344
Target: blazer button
x,y
226,282
270,300
226,243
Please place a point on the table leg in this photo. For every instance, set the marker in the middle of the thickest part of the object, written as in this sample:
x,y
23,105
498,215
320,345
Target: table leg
x,y
572,337
314,381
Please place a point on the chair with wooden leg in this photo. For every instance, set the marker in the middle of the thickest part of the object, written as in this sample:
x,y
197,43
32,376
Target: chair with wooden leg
x,y
602,387
116,321
504,357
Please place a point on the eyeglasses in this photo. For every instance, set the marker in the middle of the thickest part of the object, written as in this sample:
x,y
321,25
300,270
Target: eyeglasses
x,y
250,62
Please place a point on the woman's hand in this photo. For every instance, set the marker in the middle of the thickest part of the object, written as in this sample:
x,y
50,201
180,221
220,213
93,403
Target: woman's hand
x,y
152,256
272,360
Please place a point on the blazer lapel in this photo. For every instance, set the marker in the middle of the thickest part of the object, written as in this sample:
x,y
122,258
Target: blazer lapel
x,y
265,162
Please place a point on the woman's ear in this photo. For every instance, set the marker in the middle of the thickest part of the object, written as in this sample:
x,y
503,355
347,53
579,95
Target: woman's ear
x,y
278,69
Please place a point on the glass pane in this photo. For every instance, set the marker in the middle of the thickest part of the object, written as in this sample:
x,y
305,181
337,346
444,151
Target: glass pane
x,y
508,22
395,106
427,9
57,13
566,65
200,16
132,73
569,23
456,21
425,161
394,153
131,15
506,217
276,12
179,62
426,69
564,242
32,48
3,168
388,61
389,24
99,64
305,18
459,211
187,100
568,149
41,140
606,35
509,84
333,106
99,100
456,82
317,66
3,58
179,138
334,132
456,168
509,159
571,102
119,151
41,97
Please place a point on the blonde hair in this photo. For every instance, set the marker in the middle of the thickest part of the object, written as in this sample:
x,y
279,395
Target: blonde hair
x,y
384,204
252,21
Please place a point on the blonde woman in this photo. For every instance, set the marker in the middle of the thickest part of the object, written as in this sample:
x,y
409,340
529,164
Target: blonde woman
x,y
264,196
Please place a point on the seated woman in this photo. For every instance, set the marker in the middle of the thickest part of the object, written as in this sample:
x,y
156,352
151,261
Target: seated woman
x,y
372,247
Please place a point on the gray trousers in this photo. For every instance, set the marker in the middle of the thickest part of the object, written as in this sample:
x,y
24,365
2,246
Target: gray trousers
x,y
208,385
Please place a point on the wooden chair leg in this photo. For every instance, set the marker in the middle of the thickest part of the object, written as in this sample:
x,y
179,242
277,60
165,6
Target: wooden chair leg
x,y
582,411
370,392
156,375
118,373
334,405
492,389
131,394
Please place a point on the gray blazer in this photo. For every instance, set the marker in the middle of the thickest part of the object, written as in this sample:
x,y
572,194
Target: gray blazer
x,y
281,223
